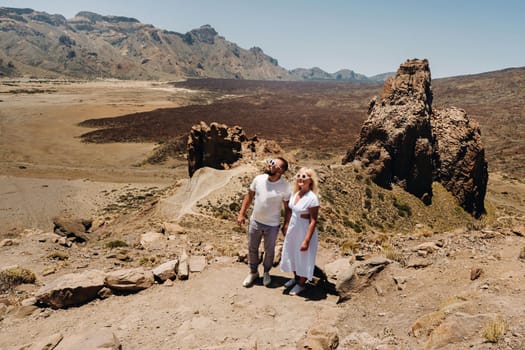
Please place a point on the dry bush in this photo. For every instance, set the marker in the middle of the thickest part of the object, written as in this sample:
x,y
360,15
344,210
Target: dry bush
x,y
495,329
116,244
392,253
58,256
12,277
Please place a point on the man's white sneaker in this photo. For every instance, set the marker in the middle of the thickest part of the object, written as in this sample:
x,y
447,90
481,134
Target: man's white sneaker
x,y
248,281
267,279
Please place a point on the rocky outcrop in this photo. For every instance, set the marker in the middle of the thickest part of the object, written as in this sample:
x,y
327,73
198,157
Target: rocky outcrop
x,y
221,147
216,146
405,142
395,143
460,158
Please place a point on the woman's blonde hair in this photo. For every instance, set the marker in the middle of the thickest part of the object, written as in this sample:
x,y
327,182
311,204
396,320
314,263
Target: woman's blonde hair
x,y
313,176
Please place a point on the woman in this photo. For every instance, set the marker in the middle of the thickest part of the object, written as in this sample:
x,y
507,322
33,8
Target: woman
x,y
300,242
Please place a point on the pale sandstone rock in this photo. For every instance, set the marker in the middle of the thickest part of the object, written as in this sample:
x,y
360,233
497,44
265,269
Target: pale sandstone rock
x,y
319,337
129,280
71,289
166,271
197,263
95,339
47,343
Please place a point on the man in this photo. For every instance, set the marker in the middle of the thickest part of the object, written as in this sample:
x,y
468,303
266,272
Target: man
x,y
270,191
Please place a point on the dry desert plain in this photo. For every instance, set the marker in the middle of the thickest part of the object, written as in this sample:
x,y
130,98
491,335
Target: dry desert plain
x,y
428,302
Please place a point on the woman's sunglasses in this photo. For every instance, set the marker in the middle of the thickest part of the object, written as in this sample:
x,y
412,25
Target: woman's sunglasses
x,y
302,176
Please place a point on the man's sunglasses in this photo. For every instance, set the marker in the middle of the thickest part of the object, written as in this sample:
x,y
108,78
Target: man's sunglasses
x,y
272,162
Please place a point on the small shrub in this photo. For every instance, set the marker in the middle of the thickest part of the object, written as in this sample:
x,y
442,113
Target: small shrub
x,y
116,244
495,329
12,277
356,226
349,246
368,192
66,41
234,206
147,260
403,210
58,256
393,254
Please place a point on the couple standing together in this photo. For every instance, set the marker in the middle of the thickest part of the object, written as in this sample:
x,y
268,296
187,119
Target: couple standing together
x,y
269,191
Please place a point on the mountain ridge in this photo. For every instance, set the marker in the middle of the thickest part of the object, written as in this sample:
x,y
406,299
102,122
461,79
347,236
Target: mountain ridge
x,y
91,45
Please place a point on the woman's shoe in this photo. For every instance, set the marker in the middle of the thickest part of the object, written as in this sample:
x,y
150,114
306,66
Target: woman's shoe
x,y
290,283
297,289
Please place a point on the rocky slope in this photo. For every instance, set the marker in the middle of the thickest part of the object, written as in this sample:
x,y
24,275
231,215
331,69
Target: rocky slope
x,y
427,277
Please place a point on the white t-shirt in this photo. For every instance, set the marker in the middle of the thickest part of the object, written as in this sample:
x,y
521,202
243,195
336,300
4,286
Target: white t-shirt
x,y
269,197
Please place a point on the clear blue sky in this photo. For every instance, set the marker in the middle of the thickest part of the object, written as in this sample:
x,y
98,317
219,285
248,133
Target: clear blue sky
x,y
370,37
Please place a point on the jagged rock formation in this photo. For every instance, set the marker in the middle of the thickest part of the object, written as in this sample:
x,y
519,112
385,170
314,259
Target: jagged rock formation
x,y
395,143
221,147
405,142
215,146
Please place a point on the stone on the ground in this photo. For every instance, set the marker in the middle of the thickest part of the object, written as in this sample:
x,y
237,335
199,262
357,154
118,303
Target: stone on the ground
x,y
166,271
129,280
95,339
71,289
197,263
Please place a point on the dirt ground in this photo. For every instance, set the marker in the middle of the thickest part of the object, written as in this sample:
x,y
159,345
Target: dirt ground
x,y
45,170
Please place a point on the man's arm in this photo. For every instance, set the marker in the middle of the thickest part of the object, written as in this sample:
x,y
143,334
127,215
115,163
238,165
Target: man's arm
x,y
248,198
287,216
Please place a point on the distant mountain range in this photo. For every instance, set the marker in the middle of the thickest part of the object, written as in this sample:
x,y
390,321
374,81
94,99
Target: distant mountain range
x,y
89,46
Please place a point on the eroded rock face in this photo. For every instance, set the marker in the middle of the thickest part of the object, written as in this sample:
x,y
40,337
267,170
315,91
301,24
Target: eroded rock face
x,y
395,143
460,158
215,146
405,142
221,147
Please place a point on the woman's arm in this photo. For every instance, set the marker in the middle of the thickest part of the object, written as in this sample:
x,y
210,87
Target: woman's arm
x,y
313,213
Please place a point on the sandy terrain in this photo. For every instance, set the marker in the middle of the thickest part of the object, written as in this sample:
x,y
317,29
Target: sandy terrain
x,y
43,161
46,171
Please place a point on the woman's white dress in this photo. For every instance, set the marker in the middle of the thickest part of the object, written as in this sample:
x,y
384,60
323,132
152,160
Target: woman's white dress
x,y
293,259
